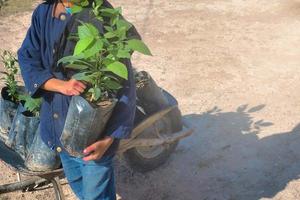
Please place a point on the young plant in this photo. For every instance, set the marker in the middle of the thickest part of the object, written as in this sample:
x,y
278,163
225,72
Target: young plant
x,y
11,69
98,57
31,104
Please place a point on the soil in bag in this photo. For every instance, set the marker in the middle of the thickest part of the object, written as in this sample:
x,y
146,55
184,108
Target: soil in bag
x,y
8,110
40,157
22,132
84,124
150,96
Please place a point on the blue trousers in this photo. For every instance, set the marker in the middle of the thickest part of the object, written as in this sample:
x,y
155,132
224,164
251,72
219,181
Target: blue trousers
x,y
92,180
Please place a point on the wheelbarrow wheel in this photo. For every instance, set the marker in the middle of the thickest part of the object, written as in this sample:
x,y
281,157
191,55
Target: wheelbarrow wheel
x,y
145,159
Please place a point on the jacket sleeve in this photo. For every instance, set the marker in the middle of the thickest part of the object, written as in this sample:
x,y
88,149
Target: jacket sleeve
x,y
30,60
121,122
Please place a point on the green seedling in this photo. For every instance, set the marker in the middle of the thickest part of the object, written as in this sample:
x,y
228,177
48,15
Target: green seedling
x,y
98,58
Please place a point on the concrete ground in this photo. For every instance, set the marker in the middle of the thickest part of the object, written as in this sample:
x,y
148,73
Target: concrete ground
x,y
234,68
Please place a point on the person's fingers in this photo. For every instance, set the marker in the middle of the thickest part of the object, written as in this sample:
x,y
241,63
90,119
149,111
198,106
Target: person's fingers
x,y
90,157
93,156
77,83
79,89
89,149
80,84
68,92
75,92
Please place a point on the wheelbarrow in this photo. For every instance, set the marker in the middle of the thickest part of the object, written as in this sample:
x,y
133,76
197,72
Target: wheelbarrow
x,y
155,136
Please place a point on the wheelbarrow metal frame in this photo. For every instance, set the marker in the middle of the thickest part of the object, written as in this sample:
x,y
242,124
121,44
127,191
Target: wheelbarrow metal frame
x,y
53,177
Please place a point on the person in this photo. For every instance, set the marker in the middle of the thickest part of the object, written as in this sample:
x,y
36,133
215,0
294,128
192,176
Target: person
x,y
91,177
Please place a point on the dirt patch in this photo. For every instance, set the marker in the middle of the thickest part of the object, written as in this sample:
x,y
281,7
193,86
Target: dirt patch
x,y
16,6
234,68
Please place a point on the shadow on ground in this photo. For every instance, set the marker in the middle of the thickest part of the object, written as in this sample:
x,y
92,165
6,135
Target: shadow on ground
x,y
224,159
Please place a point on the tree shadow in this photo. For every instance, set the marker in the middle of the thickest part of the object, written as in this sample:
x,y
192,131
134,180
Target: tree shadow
x,y
224,159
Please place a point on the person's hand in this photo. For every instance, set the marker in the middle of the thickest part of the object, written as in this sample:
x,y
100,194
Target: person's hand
x,y
97,150
72,87
69,88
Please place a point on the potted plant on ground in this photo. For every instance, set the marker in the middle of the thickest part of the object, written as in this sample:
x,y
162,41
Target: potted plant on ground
x,y
24,125
102,47
39,157
27,139
9,93
19,120
150,95
19,116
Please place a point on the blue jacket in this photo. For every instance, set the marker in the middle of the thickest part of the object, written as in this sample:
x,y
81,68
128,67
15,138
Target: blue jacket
x,y
36,60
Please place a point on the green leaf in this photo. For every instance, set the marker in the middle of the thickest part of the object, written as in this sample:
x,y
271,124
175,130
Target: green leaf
x,y
76,9
76,66
94,49
138,45
111,84
109,28
83,77
91,90
82,44
23,97
99,2
121,33
84,3
119,69
84,32
108,12
94,31
119,10
32,104
100,18
114,20
123,54
109,35
122,23
107,61
87,30
70,59
108,76
97,93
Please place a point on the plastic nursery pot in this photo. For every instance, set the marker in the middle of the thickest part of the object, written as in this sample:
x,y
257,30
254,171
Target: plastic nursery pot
x,y
22,131
150,96
8,109
84,124
40,157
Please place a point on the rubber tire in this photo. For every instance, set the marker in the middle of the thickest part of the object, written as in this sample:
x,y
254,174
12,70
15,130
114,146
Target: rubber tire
x,y
142,164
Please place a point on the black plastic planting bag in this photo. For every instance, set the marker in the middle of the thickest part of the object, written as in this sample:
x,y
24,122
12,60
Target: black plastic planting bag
x,y
84,124
22,131
40,157
8,110
150,96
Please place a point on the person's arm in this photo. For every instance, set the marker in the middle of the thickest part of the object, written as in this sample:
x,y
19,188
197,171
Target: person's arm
x,y
30,60
70,87
36,77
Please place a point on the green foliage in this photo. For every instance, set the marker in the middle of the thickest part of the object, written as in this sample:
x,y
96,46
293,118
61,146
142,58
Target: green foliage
x,y
139,46
11,69
31,104
98,57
